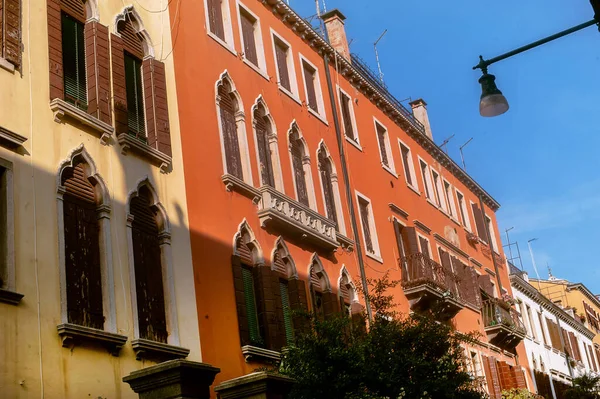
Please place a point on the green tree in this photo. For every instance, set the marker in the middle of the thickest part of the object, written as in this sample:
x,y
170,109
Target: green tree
x,y
398,356
584,387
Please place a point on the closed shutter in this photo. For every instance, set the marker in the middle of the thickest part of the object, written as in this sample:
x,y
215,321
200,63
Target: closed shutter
x,y
135,104
281,51
249,39
382,148
567,344
73,52
10,31
345,103
479,222
268,306
409,235
148,272
97,70
82,250
215,18
405,162
330,305
55,49
492,377
132,42
119,85
591,352
156,110
298,303
288,322
325,170
251,311
75,8
474,287
230,134
297,164
485,283
364,217
309,79
424,247
399,241
240,299
264,152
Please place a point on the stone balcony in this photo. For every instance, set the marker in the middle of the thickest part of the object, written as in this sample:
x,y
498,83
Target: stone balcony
x,y
278,211
429,286
501,324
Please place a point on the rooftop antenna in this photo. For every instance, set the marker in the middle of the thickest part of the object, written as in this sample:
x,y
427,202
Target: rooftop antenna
x,y
377,55
533,262
508,240
462,157
443,145
550,276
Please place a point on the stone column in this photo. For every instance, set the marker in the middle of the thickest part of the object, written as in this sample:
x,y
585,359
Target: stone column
x,y
260,385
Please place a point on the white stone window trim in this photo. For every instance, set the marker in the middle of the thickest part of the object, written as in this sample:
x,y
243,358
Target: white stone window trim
x,y
291,68
372,227
103,212
273,144
306,165
475,230
462,207
426,179
281,249
490,226
261,68
228,43
419,235
388,148
335,188
240,118
356,141
324,282
318,90
438,189
8,273
5,64
168,277
411,167
350,285
449,198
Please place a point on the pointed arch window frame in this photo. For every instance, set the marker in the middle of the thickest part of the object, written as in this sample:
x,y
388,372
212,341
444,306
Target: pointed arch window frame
x,y
273,143
337,199
306,166
324,281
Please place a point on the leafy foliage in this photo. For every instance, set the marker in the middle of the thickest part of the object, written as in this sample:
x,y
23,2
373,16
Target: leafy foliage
x,y
519,394
397,357
584,387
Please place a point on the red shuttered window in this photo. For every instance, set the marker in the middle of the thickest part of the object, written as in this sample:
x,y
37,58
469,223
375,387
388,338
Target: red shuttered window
x,y
10,31
345,104
281,56
248,23
215,18
364,209
311,83
325,169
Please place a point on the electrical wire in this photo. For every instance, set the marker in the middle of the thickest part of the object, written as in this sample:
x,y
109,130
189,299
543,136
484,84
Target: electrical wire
x,y
175,23
154,11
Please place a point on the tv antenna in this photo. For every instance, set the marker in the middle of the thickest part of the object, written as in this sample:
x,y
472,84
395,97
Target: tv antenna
x,y
462,157
377,55
443,145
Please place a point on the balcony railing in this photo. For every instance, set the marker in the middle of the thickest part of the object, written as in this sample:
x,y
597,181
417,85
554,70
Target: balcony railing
x,y
502,323
419,269
278,210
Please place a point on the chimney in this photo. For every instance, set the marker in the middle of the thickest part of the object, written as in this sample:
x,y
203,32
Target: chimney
x,y
336,33
419,108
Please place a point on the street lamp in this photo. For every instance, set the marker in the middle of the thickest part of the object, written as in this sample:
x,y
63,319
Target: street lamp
x,y
493,102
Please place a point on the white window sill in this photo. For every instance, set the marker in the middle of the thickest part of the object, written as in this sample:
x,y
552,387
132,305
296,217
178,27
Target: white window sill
x,y
375,257
226,45
4,64
256,69
354,143
389,170
317,115
433,204
413,188
455,220
289,94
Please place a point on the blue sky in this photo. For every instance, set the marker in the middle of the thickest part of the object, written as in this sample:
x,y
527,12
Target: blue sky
x,y
540,159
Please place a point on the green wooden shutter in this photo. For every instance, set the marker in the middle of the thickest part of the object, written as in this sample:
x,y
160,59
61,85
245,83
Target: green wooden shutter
x,y
251,306
135,103
287,313
73,48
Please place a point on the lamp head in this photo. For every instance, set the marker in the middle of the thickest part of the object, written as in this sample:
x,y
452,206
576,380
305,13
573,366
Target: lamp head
x,y
492,102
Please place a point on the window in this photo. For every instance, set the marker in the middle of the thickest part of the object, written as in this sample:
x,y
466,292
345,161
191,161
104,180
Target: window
x,y
542,328
74,62
529,316
288,321
449,199
462,207
479,222
348,117
219,21
424,246
409,169
383,140
491,229
426,180
263,129
439,190
7,261
324,302
10,33
286,74
312,86
298,153
135,102
330,188
251,39
367,222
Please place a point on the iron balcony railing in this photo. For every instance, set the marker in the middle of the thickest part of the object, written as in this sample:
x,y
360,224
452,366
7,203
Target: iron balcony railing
x,y
498,313
369,75
419,269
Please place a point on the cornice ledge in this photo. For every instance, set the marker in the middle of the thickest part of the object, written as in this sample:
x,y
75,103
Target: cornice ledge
x,y
10,138
72,334
447,243
233,183
63,110
129,143
422,226
145,348
396,209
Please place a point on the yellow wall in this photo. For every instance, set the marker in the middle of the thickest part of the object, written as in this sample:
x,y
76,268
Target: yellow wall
x,y
32,361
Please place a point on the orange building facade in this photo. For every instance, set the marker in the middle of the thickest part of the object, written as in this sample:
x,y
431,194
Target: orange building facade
x,y
304,177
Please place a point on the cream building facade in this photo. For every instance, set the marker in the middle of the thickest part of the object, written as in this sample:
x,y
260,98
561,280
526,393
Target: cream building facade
x,y
53,149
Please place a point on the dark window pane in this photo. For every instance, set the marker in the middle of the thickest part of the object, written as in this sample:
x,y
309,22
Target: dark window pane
x,y
251,310
248,23
215,18
309,78
135,103
73,48
281,54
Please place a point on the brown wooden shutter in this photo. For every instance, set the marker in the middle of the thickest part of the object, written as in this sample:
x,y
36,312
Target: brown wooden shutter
x,y
230,134
364,217
330,304
474,286
215,17
325,170
298,303
119,84
382,147
10,31
575,347
481,232
567,344
424,247
409,234
399,241
405,162
156,109
57,87
267,298
75,8
311,95
240,300
492,378
82,250
297,164
97,70
248,35
148,272
485,283
282,66
520,379
348,128
264,151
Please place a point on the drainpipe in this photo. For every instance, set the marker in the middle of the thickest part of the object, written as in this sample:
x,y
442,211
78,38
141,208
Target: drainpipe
x,y
340,141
